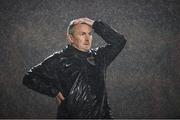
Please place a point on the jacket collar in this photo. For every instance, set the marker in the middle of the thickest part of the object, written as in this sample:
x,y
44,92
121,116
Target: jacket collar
x,y
76,53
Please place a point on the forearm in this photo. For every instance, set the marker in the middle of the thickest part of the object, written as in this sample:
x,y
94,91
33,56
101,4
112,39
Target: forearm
x,y
35,83
115,43
109,35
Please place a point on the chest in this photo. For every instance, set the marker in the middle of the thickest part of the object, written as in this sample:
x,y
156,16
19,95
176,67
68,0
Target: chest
x,y
71,67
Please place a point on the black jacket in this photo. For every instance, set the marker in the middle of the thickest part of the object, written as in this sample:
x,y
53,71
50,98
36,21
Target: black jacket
x,y
79,76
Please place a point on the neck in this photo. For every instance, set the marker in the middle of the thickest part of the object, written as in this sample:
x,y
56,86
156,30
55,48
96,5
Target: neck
x,y
79,48
76,52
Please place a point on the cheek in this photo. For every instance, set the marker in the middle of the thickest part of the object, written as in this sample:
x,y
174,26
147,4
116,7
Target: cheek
x,y
90,40
82,39
78,39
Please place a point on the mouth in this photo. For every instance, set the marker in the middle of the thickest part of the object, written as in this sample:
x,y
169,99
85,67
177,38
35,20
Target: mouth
x,y
86,44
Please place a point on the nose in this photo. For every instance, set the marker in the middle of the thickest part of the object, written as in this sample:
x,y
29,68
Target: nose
x,y
87,37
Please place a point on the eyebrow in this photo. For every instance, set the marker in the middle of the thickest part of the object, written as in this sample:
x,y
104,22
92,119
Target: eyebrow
x,y
85,32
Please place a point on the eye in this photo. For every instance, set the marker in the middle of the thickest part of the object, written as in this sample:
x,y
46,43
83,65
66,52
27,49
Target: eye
x,y
90,33
82,34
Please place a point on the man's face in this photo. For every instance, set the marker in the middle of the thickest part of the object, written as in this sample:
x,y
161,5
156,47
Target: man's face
x,y
82,37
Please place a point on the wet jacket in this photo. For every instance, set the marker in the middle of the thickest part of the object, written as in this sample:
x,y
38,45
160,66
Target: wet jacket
x,y
79,76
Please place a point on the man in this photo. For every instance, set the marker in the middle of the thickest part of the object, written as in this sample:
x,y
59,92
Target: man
x,y
75,75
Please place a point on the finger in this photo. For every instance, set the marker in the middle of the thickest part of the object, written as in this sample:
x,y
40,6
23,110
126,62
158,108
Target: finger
x,y
79,21
58,100
61,96
88,21
82,20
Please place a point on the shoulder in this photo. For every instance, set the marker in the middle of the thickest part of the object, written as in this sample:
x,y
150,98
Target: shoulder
x,y
54,58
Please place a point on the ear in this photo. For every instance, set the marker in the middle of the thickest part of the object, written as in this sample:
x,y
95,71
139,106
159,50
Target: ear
x,y
70,38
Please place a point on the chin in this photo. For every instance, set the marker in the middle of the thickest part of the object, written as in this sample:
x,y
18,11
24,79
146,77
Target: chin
x,y
86,50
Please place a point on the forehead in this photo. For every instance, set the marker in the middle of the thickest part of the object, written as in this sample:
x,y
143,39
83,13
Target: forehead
x,y
82,28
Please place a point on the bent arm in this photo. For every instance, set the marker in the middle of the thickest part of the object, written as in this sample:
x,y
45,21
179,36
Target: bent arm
x,y
115,42
43,79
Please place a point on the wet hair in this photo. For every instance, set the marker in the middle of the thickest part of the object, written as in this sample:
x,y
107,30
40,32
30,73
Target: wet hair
x,y
70,29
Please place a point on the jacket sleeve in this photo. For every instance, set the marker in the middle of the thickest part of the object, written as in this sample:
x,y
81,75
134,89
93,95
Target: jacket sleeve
x,y
115,43
43,78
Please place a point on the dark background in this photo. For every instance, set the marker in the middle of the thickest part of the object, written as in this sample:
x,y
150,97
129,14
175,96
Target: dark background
x,y
142,82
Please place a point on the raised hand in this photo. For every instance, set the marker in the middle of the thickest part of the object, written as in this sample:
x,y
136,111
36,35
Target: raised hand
x,y
84,20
